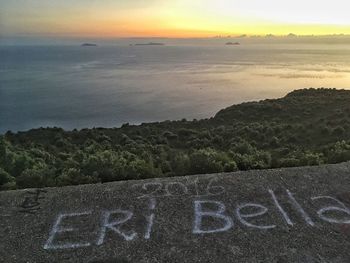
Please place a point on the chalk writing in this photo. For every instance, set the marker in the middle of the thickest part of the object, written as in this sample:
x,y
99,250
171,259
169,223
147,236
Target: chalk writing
x,y
56,229
343,209
218,214
150,219
300,209
31,202
175,189
280,209
241,217
183,190
114,225
207,217
214,189
151,189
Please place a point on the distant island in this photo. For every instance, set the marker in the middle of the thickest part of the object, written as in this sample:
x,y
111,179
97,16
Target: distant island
x,y
306,127
88,45
150,44
232,44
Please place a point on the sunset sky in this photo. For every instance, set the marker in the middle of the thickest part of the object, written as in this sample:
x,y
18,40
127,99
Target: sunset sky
x,y
172,18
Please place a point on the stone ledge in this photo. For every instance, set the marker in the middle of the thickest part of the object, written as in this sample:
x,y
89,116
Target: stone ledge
x,y
283,215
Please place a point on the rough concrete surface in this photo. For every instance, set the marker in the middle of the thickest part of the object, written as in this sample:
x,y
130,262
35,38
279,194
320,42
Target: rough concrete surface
x,y
282,215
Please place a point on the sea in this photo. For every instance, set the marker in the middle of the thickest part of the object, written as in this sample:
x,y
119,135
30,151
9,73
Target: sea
x,y
74,87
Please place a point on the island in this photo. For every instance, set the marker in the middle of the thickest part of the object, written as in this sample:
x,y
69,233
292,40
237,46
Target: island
x,y
150,44
88,45
232,44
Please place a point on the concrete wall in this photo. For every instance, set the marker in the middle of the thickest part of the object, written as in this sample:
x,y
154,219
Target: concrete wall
x,y
284,215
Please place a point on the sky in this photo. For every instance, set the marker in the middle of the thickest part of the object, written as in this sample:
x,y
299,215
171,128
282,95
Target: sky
x,y
172,18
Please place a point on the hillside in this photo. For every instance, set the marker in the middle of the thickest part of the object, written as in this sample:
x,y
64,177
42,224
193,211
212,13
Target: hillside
x,y
306,127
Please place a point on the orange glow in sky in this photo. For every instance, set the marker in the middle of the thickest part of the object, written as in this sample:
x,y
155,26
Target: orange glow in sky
x,y
173,18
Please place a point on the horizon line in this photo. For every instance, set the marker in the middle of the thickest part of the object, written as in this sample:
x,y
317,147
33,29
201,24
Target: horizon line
x,y
268,35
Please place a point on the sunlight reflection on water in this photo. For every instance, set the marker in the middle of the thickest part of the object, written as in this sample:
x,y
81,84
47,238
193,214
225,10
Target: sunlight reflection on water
x,y
73,87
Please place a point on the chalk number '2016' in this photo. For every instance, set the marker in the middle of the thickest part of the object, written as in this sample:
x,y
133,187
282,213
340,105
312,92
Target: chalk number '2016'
x,y
194,188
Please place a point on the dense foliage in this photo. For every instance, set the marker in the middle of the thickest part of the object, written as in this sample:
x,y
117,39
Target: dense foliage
x,y
307,127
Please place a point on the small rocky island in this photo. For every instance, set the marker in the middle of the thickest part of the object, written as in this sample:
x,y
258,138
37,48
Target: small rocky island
x,y
150,44
88,45
232,44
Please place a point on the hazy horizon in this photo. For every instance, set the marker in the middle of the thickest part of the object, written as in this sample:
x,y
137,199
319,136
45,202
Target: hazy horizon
x,y
214,40
176,18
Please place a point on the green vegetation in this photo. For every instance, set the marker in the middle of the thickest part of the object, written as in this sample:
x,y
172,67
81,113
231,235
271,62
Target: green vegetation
x,y
306,127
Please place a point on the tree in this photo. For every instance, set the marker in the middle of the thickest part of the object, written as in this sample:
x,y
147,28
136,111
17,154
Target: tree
x,y
6,179
206,161
31,178
180,164
73,176
339,152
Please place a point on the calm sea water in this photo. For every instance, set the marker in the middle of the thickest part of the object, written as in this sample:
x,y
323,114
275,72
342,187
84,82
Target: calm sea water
x,y
75,87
